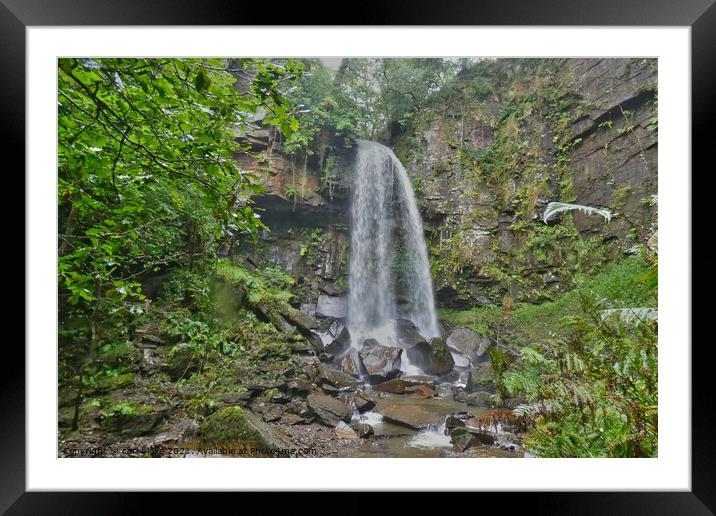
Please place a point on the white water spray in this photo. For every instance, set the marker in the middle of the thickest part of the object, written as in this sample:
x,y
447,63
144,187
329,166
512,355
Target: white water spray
x,y
384,208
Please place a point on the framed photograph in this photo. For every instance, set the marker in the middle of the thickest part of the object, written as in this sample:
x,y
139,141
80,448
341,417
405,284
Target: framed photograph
x,y
387,256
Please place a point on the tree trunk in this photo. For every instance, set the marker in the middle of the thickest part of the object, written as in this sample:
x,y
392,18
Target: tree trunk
x,y
69,228
90,356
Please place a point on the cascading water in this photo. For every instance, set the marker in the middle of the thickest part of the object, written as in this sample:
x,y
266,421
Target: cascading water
x,y
383,210
421,309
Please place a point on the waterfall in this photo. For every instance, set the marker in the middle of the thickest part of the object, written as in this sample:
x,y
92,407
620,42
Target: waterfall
x,y
384,211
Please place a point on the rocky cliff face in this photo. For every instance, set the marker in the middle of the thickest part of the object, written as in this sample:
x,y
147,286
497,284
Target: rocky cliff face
x,y
305,205
485,158
510,138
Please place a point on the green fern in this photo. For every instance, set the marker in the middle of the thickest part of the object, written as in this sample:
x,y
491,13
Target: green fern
x,y
554,208
594,394
631,316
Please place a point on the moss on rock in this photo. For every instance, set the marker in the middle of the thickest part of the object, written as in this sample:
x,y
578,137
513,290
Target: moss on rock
x,y
114,383
235,425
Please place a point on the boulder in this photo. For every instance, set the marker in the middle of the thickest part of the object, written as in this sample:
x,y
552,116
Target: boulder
x,y
328,410
465,380
330,289
483,376
236,398
114,383
363,402
128,355
461,439
299,319
266,384
365,430
412,413
308,309
474,399
305,326
421,391
340,345
303,346
335,329
329,389
395,386
380,363
508,445
272,413
309,361
235,425
408,334
300,386
348,366
445,389
143,421
456,420
343,431
469,343
433,357
314,340
273,316
481,435
459,359
335,307
464,437
298,407
143,424
291,419
336,378
279,397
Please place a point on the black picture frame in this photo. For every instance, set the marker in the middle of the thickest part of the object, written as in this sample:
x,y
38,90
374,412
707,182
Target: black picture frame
x,y
700,15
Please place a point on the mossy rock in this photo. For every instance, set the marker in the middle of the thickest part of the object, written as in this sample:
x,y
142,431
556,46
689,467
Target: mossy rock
x,y
67,395
433,357
65,416
483,376
236,425
115,383
440,349
136,420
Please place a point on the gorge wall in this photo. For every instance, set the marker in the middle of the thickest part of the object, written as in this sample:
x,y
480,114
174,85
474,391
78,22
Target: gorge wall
x,y
485,156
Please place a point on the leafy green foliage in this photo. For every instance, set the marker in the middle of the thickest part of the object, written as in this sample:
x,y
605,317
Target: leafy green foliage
x,y
123,409
147,183
385,91
593,390
593,394
265,288
321,110
197,335
619,283
146,175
